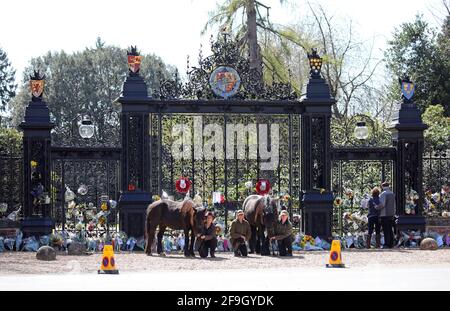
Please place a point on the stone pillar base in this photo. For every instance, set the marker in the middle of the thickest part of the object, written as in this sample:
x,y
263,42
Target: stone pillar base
x,y
410,222
37,226
318,214
132,209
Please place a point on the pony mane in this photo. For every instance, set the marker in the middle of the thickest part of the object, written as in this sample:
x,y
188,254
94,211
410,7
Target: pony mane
x,y
267,201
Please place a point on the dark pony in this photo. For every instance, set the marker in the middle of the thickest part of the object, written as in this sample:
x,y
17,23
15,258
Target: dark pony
x,y
183,215
262,213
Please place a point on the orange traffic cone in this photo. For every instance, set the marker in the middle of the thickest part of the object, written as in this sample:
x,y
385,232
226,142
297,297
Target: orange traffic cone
x,y
108,263
335,255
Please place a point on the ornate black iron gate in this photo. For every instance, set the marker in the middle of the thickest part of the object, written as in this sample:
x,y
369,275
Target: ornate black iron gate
x,y
355,171
234,164
224,91
92,175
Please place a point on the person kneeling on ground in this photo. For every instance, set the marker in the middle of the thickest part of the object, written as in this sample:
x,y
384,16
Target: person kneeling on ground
x,y
207,237
240,232
283,234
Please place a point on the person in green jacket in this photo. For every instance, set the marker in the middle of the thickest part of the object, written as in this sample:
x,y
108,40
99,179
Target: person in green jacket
x,y
240,232
283,234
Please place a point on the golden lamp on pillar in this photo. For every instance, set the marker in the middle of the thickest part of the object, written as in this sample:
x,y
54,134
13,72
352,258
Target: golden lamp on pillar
x,y
183,184
263,187
134,60
315,64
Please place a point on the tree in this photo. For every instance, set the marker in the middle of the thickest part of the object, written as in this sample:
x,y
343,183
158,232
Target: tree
x,y
7,81
443,65
438,132
253,24
86,82
416,50
348,67
348,63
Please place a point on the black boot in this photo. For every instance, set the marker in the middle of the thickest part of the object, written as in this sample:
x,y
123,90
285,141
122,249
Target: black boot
x,y
378,240
368,241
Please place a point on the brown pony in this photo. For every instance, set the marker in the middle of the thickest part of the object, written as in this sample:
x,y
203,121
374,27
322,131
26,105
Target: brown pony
x,y
183,215
261,212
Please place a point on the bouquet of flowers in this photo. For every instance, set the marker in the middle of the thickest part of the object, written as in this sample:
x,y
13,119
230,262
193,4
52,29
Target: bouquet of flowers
x,y
307,239
30,244
91,244
411,202
355,222
409,239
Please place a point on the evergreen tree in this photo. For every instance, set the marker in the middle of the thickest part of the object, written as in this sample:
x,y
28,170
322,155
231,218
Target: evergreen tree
x,y
418,51
86,83
7,80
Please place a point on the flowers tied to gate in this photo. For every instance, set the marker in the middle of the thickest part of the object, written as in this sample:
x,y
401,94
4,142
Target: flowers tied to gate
x,y
349,193
355,222
285,198
411,202
337,202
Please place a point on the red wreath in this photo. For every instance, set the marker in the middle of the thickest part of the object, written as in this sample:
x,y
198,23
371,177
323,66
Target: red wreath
x,y
183,184
263,187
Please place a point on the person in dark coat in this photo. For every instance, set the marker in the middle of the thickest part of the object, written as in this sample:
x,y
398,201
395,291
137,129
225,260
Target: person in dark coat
x,y
240,232
207,237
374,218
387,209
283,234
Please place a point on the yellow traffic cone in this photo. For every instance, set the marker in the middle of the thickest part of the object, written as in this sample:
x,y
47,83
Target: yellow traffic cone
x,y
108,263
335,255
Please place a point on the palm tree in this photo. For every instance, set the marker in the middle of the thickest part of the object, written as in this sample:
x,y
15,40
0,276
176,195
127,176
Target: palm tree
x,y
253,20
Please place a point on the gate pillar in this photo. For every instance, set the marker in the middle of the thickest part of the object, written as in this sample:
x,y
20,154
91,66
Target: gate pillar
x,y
317,204
36,127
135,158
407,137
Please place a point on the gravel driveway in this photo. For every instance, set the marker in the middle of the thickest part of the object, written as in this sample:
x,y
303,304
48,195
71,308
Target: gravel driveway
x,y
26,262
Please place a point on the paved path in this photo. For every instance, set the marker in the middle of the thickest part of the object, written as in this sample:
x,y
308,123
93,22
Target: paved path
x,y
362,278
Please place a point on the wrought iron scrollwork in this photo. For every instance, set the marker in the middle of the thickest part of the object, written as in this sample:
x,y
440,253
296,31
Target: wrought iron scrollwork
x,y
225,52
318,151
135,169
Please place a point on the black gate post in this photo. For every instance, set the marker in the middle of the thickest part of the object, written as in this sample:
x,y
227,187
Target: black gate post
x,y
407,136
135,158
36,129
317,200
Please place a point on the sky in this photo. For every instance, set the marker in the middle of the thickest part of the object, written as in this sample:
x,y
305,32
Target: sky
x,y
170,28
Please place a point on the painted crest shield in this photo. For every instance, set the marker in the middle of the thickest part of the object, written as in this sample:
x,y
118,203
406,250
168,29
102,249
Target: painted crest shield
x,y
134,63
225,81
37,87
408,90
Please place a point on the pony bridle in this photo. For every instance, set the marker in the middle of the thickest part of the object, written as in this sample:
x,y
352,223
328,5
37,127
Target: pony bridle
x,y
267,208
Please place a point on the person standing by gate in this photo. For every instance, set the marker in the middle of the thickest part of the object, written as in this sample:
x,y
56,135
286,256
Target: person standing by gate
x,y
373,217
207,237
283,234
240,232
387,211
